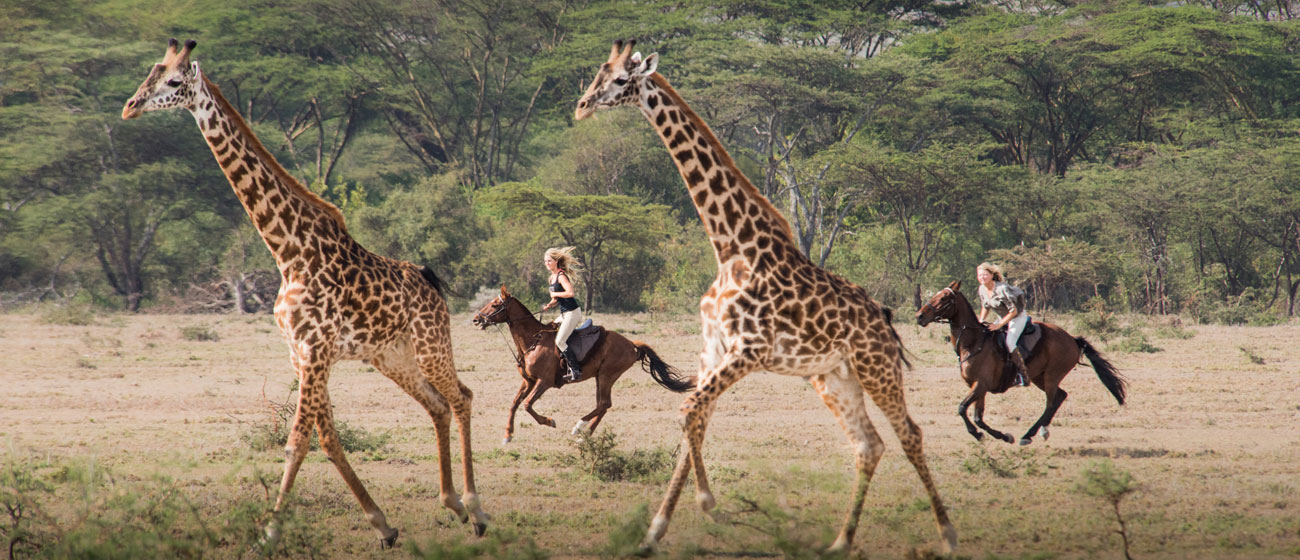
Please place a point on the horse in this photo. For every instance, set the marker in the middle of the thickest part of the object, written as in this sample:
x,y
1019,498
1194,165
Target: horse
x,y
539,362
981,356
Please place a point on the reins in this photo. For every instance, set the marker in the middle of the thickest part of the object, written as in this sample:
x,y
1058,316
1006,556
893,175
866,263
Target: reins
x,y
514,348
961,332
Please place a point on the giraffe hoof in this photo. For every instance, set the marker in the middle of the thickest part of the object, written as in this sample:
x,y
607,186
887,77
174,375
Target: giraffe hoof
x,y
388,542
480,529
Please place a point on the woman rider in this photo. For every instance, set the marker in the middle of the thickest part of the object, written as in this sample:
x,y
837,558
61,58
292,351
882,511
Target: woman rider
x,y
1008,302
561,262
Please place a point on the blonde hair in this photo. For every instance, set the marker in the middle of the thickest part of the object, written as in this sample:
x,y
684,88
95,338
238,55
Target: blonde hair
x,y
992,269
564,259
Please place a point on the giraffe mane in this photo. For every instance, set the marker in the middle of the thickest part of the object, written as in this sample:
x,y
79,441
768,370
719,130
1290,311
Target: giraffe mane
x,y
269,160
725,159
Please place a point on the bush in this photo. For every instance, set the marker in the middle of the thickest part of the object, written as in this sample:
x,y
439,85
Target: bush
x,y
76,314
1098,321
199,333
1135,342
274,433
82,510
598,456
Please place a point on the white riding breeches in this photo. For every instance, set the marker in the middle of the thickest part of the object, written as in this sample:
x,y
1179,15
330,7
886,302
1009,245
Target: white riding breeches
x,y
1015,328
569,320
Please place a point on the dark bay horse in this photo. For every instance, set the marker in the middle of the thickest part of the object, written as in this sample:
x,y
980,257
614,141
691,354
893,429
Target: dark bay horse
x,y
982,362
539,362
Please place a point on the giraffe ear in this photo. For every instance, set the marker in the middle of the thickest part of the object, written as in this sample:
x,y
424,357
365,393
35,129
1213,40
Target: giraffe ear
x,y
647,66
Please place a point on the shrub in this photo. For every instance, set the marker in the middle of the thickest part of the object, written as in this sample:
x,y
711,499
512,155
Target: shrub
x,y
1098,321
274,433
1101,480
76,314
1136,342
598,456
199,333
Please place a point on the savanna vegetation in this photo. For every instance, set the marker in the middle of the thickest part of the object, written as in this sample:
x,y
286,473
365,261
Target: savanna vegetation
x,y
1121,155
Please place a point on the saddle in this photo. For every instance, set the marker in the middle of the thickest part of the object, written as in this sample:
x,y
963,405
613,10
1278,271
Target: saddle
x,y
1027,344
583,339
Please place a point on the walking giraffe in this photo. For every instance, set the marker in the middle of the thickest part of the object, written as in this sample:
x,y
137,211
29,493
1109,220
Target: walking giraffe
x,y
769,308
337,300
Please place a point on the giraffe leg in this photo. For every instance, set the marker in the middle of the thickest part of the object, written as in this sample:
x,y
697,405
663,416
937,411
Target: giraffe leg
x,y
295,449
329,441
885,384
697,408
514,406
442,375
399,365
843,395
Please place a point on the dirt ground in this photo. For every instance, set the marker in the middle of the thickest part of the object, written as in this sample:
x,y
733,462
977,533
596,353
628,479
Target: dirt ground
x,y
1211,437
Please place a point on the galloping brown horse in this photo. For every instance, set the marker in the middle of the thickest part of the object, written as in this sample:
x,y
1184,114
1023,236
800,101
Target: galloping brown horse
x,y
983,363
539,362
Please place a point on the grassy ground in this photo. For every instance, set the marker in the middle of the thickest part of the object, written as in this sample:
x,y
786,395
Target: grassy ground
x,y
164,406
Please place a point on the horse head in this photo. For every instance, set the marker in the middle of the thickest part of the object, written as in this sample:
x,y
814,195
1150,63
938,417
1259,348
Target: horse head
x,y
942,305
496,311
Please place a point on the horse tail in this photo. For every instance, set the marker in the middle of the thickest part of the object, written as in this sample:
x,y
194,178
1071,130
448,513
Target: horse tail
x,y
1109,376
889,321
663,374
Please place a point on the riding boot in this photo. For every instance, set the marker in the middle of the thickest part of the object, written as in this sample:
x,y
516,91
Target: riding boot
x,y
1022,373
574,372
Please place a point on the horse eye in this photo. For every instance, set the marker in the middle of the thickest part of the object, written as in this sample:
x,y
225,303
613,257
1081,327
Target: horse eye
x,y
174,83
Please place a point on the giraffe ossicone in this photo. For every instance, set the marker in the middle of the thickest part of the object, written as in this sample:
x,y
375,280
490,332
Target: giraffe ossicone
x,y
337,301
769,308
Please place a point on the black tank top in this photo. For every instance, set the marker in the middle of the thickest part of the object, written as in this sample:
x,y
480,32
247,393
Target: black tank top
x,y
566,303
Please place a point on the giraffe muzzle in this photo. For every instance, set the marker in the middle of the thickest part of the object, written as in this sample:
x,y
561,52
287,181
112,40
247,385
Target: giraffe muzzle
x,y
132,109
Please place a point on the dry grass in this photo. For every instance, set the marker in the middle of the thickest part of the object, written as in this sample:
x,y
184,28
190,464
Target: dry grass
x,y
1210,438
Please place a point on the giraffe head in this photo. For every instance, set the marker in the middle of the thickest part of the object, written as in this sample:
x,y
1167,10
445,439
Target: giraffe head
x,y
171,83
619,80
942,305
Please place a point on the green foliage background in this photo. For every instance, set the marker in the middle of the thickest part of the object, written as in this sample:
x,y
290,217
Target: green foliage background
x,y
1129,152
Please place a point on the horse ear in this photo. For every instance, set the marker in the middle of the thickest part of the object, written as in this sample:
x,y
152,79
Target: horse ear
x,y
955,285
504,293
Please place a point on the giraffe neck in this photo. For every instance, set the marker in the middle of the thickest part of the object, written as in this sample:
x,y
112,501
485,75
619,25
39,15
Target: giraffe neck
x,y
739,220
287,215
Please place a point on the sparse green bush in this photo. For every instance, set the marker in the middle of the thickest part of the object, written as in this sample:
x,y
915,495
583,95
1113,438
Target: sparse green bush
x,y
1097,321
199,333
499,545
598,456
1007,464
76,314
1101,480
274,433
1252,356
81,510
1136,342
1174,332
625,538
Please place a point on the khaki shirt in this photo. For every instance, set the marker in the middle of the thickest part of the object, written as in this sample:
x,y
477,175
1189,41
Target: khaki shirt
x,y
1004,299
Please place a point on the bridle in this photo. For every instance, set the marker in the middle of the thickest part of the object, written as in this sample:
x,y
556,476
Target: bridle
x,y
514,351
947,304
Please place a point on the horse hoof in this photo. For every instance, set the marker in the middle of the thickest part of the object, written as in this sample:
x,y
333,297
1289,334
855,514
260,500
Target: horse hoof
x,y
550,423
1025,441
978,436
388,542
506,440
1007,438
480,529
1043,432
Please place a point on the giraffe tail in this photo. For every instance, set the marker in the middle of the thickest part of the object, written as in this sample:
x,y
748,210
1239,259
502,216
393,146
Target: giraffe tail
x,y
889,321
433,280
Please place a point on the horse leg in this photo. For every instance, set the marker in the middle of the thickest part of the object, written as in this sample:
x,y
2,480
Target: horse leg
x,y
979,421
965,403
540,387
1053,402
604,387
514,406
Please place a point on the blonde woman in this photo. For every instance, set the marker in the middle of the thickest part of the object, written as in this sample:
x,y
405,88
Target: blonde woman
x,y
561,262
1008,302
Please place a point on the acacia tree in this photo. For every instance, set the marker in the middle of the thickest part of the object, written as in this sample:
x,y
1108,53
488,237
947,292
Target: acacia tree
x,y
613,234
926,194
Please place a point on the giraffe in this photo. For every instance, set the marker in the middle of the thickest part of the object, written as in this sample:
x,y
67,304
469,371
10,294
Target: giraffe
x,y
337,301
769,308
